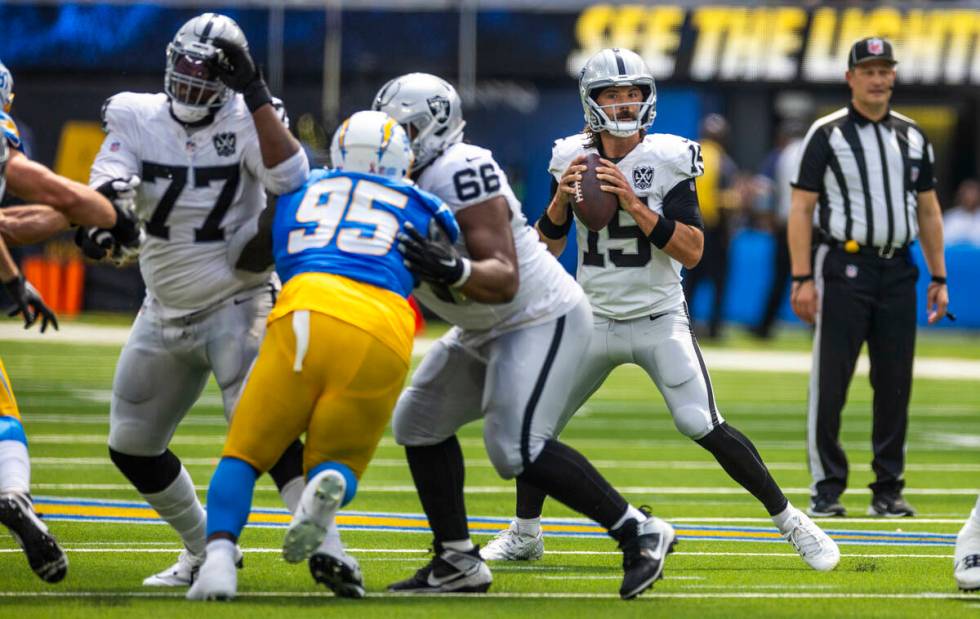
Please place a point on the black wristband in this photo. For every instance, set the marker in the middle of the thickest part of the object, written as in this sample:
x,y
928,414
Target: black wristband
x,y
552,230
938,279
661,233
256,94
799,279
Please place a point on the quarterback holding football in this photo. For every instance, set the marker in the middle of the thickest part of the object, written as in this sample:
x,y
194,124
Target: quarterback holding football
x,y
630,269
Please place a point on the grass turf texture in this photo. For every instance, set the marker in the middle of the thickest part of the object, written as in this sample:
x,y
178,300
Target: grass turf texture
x,y
63,391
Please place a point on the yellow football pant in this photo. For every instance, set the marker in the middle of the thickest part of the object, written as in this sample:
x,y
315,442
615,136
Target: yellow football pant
x,y
340,390
8,405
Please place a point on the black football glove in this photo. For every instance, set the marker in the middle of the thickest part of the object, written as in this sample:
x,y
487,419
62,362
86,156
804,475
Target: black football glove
x,y
95,243
433,259
234,66
121,193
29,303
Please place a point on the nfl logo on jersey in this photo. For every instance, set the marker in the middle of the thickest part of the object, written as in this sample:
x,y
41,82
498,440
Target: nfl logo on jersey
x,y
224,144
643,177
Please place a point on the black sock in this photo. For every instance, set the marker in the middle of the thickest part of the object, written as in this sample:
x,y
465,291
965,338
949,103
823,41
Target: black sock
x,y
530,500
438,474
738,456
566,475
289,466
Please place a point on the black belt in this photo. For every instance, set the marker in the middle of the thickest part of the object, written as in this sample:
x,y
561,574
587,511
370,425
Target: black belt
x,y
852,247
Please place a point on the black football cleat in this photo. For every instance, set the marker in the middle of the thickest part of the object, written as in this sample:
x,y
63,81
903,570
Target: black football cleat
x,y
342,577
450,571
890,505
826,506
645,547
44,555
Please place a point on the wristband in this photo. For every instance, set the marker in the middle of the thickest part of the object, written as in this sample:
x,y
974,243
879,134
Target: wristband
x,y
938,279
256,95
799,279
662,231
467,271
552,230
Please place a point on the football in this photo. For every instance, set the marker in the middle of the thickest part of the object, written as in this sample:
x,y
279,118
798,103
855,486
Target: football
x,y
593,206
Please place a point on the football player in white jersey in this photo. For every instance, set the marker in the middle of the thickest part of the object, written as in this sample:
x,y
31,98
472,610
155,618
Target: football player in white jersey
x,y
631,272
522,324
207,150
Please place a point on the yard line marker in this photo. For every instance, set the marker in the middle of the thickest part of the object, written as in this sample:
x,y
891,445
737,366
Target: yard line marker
x,y
89,510
650,597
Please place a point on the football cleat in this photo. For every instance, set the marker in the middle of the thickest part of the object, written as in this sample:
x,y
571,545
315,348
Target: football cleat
x,y
44,555
217,577
817,549
320,501
890,505
512,545
450,571
645,547
966,557
184,571
342,575
826,506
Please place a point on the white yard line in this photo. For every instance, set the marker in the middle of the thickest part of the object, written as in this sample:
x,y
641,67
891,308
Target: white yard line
x,y
651,598
509,489
687,465
736,360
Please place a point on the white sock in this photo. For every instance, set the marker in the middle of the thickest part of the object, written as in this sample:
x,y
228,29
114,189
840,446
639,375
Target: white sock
x,y
292,492
459,545
331,544
221,549
782,519
631,513
15,467
975,514
528,526
179,506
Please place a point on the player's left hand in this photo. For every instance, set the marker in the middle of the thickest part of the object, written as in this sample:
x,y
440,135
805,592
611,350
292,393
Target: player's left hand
x,y
28,302
937,300
234,65
433,259
614,182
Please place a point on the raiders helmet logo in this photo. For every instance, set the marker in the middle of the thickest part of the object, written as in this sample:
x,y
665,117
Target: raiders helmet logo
x,y
643,177
224,144
439,106
876,47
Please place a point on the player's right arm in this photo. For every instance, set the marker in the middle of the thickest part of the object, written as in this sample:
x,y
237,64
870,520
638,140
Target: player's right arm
x,y
493,258
555,223
33,223
36,183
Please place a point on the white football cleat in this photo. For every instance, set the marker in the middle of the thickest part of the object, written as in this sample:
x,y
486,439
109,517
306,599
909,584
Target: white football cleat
x,y
320,501
184,571
217,578
512,545
966,558
817,549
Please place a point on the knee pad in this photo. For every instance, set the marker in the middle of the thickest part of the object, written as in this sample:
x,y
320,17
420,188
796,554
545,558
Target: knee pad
x,y
11,429
350,487
693,422
149,474
506,459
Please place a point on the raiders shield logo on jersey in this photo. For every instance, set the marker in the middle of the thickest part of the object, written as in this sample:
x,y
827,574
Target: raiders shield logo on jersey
x,y
224,144
439,106
643,176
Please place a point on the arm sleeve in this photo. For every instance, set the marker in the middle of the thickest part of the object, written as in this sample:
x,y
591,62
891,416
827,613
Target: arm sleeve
x,y
119,155
285,177
813,163
681,204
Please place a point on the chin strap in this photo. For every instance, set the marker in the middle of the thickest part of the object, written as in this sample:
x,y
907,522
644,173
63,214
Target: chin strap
x,y
207,120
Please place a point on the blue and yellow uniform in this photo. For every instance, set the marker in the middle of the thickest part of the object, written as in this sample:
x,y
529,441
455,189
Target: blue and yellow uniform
x,y
339,339
10,132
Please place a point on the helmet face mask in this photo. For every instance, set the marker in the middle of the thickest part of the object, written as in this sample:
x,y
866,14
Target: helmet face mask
x,y
615,68
372,143
428,108
193,89
6,88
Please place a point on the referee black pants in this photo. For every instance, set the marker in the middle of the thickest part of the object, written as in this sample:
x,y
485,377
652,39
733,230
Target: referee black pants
x,y
863,298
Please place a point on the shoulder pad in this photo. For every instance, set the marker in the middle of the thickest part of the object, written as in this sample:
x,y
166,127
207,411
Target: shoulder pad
x,y
563,151
680,157
10,132
125,110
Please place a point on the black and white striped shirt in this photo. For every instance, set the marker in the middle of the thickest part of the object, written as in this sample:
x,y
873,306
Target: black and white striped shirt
x,y
868,175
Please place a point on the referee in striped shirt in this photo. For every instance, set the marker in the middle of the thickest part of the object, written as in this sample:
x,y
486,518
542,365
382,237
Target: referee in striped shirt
x,y
866,184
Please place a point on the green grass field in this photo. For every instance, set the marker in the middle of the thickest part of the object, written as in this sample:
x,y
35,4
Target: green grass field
x,y
63,391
